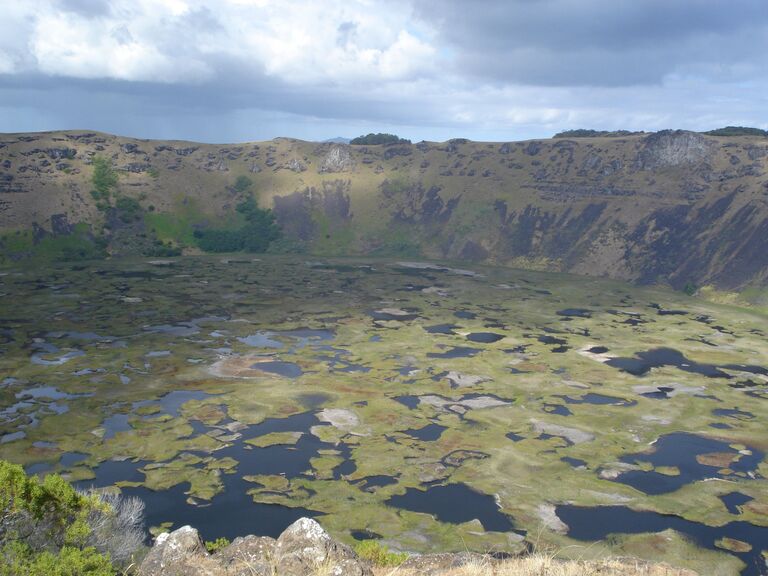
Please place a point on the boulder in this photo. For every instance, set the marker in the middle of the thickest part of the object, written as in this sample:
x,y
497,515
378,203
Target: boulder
x,y
248,556
179,553
304,548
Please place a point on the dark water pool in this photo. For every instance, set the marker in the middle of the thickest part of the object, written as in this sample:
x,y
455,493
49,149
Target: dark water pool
x,y
229,514
232,512
441,329
428,433
658,357
596,523
455,352
409,401
680,449
380,316
575,312
370,482
598,350
733,500
574,462
734,413
287,369
484,337
365,535
559,409
465,315
597,399
172,402
551,340
454,503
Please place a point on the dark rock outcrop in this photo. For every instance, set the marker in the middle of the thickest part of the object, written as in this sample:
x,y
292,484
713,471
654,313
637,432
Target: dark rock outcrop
x,y
296,212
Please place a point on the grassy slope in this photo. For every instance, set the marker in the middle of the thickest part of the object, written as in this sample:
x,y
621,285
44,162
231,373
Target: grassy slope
x,y
545,565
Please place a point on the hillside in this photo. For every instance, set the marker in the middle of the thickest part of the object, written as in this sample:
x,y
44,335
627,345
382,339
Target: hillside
x,y
673,207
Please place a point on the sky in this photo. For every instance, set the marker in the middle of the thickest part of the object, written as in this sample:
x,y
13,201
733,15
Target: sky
x,y
497,70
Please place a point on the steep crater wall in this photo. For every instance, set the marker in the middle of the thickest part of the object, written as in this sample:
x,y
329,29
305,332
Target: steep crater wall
x,y
675,207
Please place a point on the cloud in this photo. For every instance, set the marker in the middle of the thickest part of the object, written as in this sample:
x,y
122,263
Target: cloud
x,y
250,69
600,42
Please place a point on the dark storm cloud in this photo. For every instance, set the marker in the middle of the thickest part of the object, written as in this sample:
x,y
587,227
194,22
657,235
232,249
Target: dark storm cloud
x,y
601,42
197,111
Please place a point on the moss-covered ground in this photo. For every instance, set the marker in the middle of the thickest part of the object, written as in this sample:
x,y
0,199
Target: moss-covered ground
x,y
176,371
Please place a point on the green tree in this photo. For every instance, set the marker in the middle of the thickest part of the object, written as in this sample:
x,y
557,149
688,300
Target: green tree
x,y
104,179
128,209
259,231
242,184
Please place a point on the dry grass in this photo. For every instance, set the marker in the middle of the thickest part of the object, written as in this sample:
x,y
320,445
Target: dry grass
x,y
547,565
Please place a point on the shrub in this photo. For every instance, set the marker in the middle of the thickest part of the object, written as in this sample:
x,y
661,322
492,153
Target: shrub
x,y
380,138
46,527
378,554
128,209
162,249
242,184
17,559
216,545
737,131
219,240
116,525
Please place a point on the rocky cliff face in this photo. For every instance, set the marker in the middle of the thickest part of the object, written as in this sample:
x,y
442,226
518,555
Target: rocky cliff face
x,y
674,206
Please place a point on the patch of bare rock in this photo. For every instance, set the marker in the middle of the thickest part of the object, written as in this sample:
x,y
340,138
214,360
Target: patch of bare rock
x,y
303,549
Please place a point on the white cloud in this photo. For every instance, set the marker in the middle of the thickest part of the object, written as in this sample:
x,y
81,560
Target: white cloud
x,y
178,41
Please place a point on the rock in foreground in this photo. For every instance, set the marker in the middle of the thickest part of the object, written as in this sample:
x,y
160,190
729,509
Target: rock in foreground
x,y
306,549
303,549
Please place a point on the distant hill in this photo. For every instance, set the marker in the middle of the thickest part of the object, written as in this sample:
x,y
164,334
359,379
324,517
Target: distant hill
x,y
673,206
337,140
